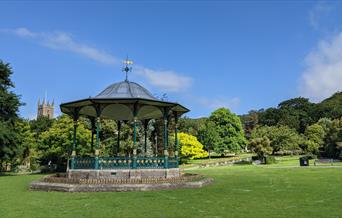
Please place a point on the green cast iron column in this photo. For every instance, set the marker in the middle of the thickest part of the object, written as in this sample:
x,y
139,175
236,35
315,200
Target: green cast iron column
x,y
73,154
134,163
92,120
97,151
119,130
176,137
145,132
166,153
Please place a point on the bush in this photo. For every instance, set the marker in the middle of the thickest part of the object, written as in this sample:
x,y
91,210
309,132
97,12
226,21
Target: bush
x,y
269,160
191,148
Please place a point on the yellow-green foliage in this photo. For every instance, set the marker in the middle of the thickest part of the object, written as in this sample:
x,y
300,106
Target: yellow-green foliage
x,y
190,147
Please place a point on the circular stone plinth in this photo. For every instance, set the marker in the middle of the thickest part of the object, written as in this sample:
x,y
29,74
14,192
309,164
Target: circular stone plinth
x,y
54,183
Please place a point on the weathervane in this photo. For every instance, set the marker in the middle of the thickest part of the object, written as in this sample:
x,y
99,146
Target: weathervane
x,y
126,69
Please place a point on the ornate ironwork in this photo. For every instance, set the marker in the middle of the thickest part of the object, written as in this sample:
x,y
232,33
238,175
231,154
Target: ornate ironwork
x,y
115,162
124,162
84,163
172,162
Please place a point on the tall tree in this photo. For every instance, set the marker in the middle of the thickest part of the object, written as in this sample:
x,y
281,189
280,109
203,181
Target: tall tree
x,y
208,136
250,121
230,131
40,125
333,140
314,138
330,107
9,105
27,144
296,113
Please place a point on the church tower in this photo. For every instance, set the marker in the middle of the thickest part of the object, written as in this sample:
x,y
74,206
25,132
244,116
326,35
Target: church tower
x,y
45,109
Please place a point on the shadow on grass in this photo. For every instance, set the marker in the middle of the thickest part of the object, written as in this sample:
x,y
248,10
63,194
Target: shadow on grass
x,y
6,174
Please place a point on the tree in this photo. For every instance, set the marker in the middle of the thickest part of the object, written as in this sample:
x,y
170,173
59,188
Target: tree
x,y
314,138
325,123
230,131
108,136
261,146
250,121
191,148
296,113
191,126
209,136
333,139
282,138
9,105
331,107
27,144
56,143
41,124
8,143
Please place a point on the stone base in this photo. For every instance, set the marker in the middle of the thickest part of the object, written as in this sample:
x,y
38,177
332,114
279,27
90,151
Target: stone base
x,y
46,186
124,173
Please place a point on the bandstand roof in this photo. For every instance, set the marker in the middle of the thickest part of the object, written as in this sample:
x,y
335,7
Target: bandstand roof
x,y
120,101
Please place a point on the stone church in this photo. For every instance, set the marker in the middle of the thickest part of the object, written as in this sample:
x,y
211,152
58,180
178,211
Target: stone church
x,y
45,109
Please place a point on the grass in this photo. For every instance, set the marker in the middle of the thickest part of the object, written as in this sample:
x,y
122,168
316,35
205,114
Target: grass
x,y
238,191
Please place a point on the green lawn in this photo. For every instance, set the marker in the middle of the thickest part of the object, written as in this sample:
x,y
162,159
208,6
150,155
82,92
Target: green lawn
x,y
238,191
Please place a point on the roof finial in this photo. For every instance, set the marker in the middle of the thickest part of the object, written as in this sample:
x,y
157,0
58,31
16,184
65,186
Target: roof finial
x,y
126,69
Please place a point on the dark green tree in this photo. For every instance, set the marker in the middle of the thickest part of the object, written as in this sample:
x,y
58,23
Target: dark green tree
x,y
296,113
330,107
9,106
208,136
230,131
282,138
190,126
250,121
333,140
40,125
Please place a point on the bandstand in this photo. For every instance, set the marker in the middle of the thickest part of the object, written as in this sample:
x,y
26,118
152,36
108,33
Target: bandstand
x,y
127,102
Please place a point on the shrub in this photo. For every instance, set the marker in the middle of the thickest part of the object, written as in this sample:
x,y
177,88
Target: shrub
x,y
269,160
191,148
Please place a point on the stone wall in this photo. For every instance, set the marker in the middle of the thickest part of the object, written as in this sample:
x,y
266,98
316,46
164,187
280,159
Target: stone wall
x,y
45,186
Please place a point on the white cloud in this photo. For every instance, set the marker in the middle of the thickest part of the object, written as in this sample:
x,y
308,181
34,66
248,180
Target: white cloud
x,y
64,41
319,10
23,32
214,103
166,80
323,74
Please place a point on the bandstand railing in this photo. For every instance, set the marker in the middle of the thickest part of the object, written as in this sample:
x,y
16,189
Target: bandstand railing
x,y
125,162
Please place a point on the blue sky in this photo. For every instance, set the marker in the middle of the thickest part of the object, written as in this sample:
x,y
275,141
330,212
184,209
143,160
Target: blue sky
x,y
205,54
